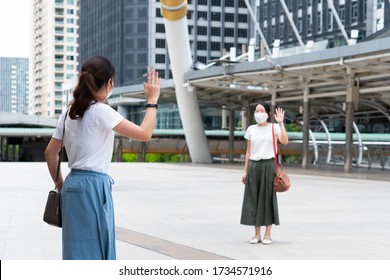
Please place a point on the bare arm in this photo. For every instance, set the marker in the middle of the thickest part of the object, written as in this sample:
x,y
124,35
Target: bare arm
x,y
145,130
52,156
279,117
247,155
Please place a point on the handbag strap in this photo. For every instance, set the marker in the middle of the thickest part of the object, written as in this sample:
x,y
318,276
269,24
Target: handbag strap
x,y
276,152
61,153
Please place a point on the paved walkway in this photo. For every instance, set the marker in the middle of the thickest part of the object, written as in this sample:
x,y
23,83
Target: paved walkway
x,y
184,211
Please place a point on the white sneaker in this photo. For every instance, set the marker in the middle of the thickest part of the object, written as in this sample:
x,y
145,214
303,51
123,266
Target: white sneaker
x,y
267,241
255,240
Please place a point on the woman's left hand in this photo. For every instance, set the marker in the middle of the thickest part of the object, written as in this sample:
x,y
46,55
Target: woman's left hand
x,y
279,116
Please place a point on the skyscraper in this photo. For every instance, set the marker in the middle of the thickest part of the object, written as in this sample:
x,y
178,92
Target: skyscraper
x,y
55,56
14,84
315,20
131,33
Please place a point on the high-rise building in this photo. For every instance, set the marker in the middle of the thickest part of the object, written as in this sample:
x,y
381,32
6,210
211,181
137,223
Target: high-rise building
x,y
54,57
131,33
14,85
315,20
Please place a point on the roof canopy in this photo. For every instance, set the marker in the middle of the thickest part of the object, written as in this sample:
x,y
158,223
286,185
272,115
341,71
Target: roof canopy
x,y
324,76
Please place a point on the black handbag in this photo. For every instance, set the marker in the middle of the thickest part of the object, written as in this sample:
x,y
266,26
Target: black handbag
x,y
52,214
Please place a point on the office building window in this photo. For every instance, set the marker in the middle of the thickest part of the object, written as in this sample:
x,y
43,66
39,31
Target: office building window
x,y
142,58
160,43
242,33
142,12
142,28
216,3
300,25
160,28
202,59
242,18
215,31
228,46
215,46
229,32
330,20
342,13
202,15
229,3
202,30
241,4
160,58
215,16
319,22
201,45
229,17
273,8
142,43
354,12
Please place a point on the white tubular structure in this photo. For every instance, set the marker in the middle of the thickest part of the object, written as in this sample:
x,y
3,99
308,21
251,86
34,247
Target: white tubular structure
x,y
176,30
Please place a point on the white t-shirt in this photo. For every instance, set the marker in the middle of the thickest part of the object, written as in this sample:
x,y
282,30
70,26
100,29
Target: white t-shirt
x,y
89,141
261,141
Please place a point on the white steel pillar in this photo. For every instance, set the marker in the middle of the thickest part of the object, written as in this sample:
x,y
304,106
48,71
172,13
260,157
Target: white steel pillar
x,y
176,30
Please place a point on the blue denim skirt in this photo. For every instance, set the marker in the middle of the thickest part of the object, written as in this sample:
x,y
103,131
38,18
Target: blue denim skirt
x,y
88,227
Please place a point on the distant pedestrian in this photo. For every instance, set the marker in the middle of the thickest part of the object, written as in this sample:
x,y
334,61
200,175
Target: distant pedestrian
x,y
88,227
260,205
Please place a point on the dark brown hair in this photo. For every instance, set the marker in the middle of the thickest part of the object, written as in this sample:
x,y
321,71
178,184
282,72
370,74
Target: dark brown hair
x,y
95,72
265,105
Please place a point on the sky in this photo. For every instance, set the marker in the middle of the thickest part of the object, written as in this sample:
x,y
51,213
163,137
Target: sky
x,y
15,28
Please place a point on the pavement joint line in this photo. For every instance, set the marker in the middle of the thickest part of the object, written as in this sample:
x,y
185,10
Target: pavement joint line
x,y
164,247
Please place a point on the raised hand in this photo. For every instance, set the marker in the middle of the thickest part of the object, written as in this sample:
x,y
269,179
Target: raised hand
x,y
152,88
279,116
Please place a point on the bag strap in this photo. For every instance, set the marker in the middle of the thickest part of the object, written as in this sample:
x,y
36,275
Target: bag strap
x,y
60,154
276,152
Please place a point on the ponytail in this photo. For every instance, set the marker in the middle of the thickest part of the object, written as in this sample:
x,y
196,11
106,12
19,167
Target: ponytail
x,y
95,73
82,95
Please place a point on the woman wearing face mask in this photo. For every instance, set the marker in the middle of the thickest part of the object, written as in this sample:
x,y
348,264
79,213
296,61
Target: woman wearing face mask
x,y
88,228
260,206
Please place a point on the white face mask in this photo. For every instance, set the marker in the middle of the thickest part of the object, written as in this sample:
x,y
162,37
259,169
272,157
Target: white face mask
x,y
110,92
261,117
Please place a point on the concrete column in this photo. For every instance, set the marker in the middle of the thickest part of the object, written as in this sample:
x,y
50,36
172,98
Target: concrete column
x,y
224,118
6,152
1,149
231,136
273,105
352,99
249,115
243,119
176,30
119,149
141,157
306,127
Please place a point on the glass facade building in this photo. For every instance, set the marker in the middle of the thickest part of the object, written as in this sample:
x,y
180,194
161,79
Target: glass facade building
x,y
14,85
131,34
314,20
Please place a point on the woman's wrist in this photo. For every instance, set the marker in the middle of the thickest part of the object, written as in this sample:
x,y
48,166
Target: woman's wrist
x,y
152,101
